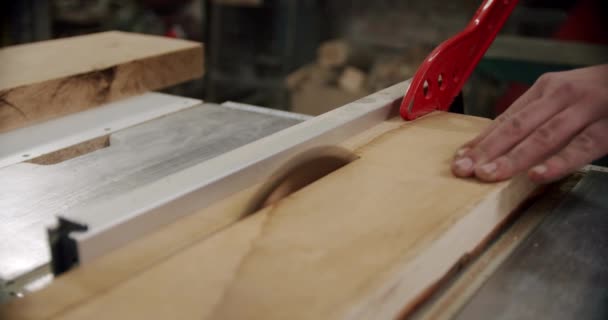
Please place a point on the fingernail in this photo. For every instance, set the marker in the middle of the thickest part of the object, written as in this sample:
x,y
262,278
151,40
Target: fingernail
x,y
464,164
539,169
489,168
461,152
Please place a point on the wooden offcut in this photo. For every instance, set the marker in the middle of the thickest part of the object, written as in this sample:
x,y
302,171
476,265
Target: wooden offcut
x,y
313,91
49,79
340,53
352,80
368,241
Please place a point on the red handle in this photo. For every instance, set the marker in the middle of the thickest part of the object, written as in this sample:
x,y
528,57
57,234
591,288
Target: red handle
x,y
444,72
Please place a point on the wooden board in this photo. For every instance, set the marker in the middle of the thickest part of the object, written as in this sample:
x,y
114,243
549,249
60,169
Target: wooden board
x,y
312,92
340,53
352,80
368,241
48,79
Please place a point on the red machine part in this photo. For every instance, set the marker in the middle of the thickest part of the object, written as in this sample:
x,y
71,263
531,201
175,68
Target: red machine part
x,y
443,73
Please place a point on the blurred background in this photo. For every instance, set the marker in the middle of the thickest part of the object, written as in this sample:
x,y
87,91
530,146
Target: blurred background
x,y
310,56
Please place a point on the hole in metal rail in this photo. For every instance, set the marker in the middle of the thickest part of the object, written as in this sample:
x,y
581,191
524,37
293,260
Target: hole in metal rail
x,y
72,151
440,82
425,89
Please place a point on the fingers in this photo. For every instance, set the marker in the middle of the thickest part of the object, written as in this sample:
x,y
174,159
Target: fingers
x,y
509,130
550,137
509,133
533,94
559,123
586,147
548,97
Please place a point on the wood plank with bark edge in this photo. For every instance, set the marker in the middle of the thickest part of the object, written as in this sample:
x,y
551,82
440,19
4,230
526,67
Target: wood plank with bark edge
x,y
363,242
49,79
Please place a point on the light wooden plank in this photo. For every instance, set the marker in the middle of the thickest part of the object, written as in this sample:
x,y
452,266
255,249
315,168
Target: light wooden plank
x,y
365,242
48,79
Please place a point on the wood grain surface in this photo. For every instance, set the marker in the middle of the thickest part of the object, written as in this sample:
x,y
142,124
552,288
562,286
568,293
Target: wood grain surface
x,y
367,241
48,79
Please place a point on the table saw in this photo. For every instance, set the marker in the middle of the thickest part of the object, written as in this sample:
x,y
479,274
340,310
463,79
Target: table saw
x,y
161,206
548,263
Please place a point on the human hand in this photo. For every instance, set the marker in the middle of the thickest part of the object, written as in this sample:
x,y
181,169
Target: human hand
x,y
559,125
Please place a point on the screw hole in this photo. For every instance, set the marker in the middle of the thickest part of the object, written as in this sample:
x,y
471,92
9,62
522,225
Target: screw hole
x,y
26,155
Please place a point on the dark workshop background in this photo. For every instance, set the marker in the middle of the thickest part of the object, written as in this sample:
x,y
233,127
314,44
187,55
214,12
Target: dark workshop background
x,y
275,53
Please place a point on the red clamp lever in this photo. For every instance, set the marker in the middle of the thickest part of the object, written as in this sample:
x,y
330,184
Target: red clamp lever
x,y
443,74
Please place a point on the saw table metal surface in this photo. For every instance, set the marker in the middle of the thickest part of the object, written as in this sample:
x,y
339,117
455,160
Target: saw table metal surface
x,y
32,196
561,270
